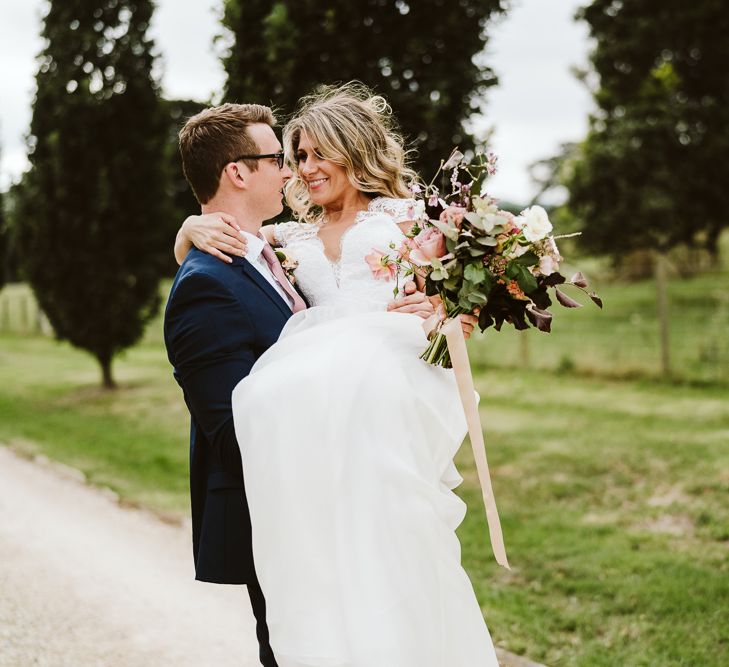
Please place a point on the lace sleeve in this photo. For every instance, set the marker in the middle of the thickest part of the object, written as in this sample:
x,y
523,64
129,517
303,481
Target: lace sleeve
x,y
285,233
282,231
400,210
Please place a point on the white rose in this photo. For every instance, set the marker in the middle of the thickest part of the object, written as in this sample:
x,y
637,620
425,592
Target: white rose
x,y
534,222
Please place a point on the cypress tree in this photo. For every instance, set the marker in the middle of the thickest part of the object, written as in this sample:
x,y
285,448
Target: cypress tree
x,y
93,221
3,244
181,198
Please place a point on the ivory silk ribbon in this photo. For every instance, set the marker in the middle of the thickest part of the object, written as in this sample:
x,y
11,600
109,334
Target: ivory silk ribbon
x,y
451,329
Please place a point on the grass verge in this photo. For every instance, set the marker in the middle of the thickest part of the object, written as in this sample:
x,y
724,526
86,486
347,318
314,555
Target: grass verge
x,y
612,494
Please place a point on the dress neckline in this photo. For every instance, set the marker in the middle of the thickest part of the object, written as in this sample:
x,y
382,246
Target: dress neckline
x,y
359,216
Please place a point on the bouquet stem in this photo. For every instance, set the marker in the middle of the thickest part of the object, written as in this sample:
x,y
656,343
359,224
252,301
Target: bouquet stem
x,y
437,352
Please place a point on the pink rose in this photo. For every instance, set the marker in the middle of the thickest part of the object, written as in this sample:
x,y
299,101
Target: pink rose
x,y
382,267
430,244
454,214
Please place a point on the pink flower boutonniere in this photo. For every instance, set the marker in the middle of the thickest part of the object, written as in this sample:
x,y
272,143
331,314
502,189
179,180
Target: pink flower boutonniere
x,y
289,263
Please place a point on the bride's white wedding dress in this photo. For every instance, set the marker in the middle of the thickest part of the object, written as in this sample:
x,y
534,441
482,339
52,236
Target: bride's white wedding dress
x,y
347,440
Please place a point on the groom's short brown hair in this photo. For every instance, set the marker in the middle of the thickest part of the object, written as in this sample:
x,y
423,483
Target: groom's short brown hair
x,y
214,137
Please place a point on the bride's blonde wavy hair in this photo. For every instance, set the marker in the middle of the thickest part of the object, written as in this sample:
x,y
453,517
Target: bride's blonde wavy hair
x,y
355,129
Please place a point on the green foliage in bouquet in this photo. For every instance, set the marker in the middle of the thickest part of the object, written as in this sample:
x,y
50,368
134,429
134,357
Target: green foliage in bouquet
x,y
481,259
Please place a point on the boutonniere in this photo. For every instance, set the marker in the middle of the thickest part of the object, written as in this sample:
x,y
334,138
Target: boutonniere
x,y
289,263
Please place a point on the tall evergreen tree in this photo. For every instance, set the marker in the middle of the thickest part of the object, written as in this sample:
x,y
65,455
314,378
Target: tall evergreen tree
x,y
181,198
10,252
4,239
4,245
420,55
94,201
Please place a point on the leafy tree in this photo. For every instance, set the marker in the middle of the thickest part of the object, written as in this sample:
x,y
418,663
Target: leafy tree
x,y
651,172
421,55
94,201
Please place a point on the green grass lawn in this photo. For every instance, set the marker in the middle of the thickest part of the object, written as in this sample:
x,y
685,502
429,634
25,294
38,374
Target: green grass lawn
x,y
133,440
622,339
619,341
613,497
613,494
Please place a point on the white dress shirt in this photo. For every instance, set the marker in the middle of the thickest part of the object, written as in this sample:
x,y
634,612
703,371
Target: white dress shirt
x,y
253,255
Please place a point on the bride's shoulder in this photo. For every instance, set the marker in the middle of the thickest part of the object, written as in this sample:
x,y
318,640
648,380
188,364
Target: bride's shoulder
x,y
285,233
400,210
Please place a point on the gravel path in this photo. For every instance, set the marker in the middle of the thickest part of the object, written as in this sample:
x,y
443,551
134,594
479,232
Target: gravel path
x,y
87,583
84,582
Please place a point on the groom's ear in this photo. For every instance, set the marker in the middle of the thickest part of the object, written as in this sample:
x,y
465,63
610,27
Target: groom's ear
x,y
235,175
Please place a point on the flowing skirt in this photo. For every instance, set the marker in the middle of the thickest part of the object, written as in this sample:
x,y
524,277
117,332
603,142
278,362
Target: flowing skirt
x,y
347,441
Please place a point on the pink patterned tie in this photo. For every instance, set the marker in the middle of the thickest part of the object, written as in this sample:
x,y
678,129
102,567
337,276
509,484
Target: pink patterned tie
x,y
270,256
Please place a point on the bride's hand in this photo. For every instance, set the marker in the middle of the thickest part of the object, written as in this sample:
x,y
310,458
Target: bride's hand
x,y
217,234
414,302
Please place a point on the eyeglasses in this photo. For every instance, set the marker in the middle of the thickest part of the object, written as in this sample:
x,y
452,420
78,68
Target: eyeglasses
x,y
278,156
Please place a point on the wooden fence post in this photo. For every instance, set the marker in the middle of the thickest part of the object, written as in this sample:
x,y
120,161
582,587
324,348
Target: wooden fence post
x,y
5,320
24,314
38,319
525,356
661,273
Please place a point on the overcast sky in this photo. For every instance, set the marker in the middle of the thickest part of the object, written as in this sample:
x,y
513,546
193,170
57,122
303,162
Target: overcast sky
x,y
538,104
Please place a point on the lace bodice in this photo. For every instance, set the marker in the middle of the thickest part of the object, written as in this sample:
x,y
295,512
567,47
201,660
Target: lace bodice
x,y
348,281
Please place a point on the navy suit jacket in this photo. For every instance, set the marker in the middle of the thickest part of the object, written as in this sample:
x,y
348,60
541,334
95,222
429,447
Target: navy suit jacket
x,y
219,319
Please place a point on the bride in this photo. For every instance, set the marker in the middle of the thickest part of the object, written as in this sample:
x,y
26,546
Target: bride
x,y
347,438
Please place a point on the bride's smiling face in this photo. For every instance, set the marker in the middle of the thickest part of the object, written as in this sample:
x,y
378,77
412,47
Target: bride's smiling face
x,y
326,181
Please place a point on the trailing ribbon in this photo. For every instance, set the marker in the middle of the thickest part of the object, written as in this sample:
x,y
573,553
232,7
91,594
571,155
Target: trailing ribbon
x,y
451,329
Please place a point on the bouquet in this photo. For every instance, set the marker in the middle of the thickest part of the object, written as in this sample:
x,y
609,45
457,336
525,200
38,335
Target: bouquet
x,y
477,257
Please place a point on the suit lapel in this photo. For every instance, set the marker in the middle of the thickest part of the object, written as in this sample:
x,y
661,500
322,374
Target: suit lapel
x,y
263,284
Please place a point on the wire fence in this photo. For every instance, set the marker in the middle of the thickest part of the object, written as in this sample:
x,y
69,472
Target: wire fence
x,y
20,313
621,340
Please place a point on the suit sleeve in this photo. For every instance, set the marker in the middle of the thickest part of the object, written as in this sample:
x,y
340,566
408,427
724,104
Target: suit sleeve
x,y
210,337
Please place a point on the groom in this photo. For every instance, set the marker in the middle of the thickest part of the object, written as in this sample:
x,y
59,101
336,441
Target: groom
x,y
220,318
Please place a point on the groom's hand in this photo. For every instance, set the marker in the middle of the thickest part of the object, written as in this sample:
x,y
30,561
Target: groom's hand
x,y
469,321
413,303
468,324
